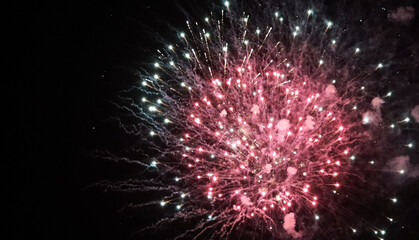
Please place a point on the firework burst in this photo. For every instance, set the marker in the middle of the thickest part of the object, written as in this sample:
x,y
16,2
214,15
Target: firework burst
x,y
260,119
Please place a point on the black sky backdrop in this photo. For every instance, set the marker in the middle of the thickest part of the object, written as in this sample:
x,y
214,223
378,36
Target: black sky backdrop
x,y
71,59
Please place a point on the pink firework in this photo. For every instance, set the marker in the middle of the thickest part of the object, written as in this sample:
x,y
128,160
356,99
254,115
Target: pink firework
x,y
257,121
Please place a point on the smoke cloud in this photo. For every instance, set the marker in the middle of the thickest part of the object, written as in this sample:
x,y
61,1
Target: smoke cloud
x,y
402,163
415,113
376,104
373,117
283,125
289,225
330,90
402,14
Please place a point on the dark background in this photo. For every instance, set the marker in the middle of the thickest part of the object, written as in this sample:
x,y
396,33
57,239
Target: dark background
x,y
70,60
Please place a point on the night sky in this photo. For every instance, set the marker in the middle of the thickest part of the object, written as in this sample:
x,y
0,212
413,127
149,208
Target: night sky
x,y
71,61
